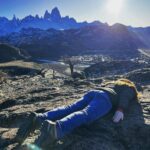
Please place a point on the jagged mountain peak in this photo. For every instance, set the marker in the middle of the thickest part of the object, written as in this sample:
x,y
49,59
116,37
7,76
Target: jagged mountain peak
x,y
55,14
14,22
37,16
28,18
14,18
55,10
47,15
51,19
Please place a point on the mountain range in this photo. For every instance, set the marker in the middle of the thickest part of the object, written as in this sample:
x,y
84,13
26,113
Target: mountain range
x,y
52,36
49,20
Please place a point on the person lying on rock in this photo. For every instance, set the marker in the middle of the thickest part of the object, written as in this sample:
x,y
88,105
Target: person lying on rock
x,y
93,105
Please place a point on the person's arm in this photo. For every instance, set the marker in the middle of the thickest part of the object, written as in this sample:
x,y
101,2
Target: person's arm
x,y
126,95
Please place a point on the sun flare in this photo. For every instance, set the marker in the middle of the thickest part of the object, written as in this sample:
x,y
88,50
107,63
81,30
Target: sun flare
x,y
114,6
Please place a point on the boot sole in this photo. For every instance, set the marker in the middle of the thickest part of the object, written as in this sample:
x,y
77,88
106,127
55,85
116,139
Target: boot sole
x,y
21,138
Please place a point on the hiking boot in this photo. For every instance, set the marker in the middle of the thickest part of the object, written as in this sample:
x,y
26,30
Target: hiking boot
x,y
33,122
48,135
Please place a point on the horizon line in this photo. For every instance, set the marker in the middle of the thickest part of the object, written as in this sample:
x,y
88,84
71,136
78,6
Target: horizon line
x,y
78,21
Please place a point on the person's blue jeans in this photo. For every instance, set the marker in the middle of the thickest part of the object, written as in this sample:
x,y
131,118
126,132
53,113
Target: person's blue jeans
x,y
89,108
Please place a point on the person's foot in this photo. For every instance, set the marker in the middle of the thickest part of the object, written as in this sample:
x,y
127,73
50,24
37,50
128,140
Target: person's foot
x,y
33,122
48,135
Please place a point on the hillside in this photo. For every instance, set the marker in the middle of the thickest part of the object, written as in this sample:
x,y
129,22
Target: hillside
x,y
114,67
115,41
9,53
143,34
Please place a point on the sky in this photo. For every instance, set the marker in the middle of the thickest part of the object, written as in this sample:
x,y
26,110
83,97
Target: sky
x,y
129,12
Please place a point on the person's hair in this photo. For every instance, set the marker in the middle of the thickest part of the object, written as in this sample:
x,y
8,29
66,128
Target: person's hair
x,y
128,83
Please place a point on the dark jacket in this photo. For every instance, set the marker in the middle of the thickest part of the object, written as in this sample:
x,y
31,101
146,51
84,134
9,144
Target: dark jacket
x,y
120,95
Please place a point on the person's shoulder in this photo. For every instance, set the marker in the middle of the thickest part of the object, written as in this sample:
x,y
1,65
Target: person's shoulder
x,y
127,90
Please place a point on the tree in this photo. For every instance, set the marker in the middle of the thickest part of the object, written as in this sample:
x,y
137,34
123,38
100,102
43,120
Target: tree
x,y
71,61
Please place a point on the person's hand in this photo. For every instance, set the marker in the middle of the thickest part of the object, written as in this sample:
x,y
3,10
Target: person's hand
x,y
118,116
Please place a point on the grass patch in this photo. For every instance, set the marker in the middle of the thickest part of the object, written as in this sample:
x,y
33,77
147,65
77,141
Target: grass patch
x,y
23,64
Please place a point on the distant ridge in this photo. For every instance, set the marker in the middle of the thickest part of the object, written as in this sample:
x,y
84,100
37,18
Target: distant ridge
x,y
49,20
116,41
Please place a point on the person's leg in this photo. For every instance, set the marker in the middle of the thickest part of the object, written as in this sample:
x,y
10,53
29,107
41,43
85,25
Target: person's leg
x,y
61,112
98,107
55,114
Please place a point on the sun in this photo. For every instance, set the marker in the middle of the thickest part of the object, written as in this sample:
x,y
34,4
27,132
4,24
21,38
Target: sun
x,y
114,6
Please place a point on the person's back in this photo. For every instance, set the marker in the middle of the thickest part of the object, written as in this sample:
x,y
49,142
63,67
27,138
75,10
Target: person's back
x,y
118,94
121,93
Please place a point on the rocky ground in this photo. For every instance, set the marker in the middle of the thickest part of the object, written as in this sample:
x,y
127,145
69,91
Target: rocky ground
x,y
23,94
